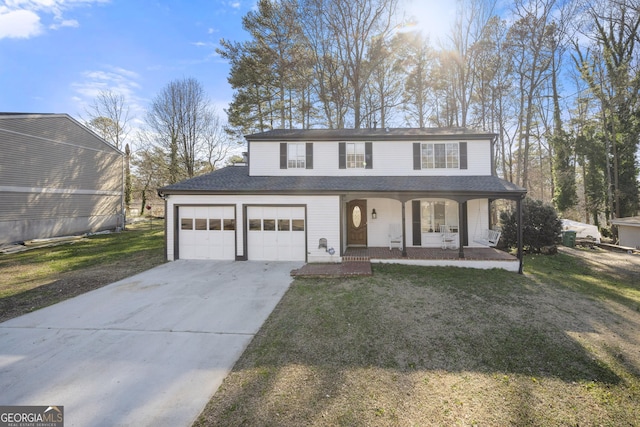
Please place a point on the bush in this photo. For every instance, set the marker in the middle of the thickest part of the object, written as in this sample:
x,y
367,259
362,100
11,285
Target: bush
x,y
540,226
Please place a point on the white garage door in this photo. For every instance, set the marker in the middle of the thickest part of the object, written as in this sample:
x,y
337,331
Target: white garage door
x,y
276,233
207,232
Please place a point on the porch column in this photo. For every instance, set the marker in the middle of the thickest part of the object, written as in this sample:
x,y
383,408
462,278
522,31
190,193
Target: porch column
x,y
404,231
462,228
520,254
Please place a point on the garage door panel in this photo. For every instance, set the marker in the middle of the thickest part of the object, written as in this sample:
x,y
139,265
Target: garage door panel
x,y
272,235
207,232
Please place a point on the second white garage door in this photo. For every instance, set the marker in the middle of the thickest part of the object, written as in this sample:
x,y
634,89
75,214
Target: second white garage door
x,y
276,233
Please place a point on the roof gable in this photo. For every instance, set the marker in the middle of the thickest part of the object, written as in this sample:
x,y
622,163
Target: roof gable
x,y
631,221
57,128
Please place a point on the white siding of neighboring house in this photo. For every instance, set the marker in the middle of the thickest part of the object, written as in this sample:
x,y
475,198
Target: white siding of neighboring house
x,y
323,219
389,159
629,236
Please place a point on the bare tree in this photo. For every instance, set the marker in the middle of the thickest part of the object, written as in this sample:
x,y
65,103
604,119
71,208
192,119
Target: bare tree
x,y
472,18
611,68
418,65
108,116
178,117
354,24
217,144
530,39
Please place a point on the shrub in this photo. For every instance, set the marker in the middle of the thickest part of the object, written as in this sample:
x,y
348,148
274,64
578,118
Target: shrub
x,y
540,226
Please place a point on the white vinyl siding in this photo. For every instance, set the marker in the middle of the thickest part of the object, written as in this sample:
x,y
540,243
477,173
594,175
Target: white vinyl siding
x,y
393,158
629,236
322,219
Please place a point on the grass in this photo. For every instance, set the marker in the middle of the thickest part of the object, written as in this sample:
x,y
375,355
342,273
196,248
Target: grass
x,y
40,277
444,346
408,346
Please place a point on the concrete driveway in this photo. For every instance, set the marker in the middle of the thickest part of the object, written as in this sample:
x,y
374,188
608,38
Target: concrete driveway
x,y
148,350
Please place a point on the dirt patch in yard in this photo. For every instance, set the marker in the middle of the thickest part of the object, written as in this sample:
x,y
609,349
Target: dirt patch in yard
x,y
618,264
44,276
67,285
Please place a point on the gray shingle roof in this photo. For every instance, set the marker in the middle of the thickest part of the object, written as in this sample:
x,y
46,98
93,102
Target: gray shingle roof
x,y
368,134
236,179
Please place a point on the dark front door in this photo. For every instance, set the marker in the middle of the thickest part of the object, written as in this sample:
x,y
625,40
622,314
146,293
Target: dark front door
x,y
357,223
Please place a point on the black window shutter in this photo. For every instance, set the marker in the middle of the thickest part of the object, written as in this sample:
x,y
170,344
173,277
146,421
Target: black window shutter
x,y
463,155
417,226
368,155
465,223
309,155
283,155
417,158
342,155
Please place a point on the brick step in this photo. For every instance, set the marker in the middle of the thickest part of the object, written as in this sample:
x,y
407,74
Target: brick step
x,y
356,259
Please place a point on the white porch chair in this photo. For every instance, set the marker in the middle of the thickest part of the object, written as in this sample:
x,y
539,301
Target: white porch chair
x,y
395,236
448,238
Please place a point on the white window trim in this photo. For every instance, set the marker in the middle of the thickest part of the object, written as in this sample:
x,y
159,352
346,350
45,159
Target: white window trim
x,y
296,160
447,146
355,159
428,222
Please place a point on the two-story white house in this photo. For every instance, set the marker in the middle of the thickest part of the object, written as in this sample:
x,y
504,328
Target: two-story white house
x,y
315,195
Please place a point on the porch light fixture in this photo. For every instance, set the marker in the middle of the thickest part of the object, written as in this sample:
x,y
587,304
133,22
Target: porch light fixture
x,y
374,215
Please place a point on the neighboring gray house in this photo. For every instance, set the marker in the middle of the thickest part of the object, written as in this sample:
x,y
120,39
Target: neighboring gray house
x,y
56,178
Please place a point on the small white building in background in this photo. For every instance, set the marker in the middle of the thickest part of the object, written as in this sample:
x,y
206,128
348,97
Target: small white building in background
x,y
583,231
628,231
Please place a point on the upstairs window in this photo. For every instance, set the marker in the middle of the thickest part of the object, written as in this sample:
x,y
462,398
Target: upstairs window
x,y
444,155
440,156
296,155
355,155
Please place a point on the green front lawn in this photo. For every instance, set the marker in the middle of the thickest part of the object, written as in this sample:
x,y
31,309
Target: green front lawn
x,y
443,346
40,277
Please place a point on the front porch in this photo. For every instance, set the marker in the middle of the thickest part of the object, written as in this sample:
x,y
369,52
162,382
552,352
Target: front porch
x,y
483,258
435,230
378,254
357,261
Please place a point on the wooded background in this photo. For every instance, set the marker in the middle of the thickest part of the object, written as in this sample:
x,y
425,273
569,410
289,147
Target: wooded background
x,y
556,80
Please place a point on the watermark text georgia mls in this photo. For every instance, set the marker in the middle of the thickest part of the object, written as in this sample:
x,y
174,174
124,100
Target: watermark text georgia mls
x,y
32,416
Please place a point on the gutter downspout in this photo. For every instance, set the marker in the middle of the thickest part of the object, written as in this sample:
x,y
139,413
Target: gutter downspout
x,y
520,253
123,189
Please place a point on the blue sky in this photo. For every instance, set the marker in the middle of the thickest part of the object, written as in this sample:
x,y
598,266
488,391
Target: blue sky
x,y
56,55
